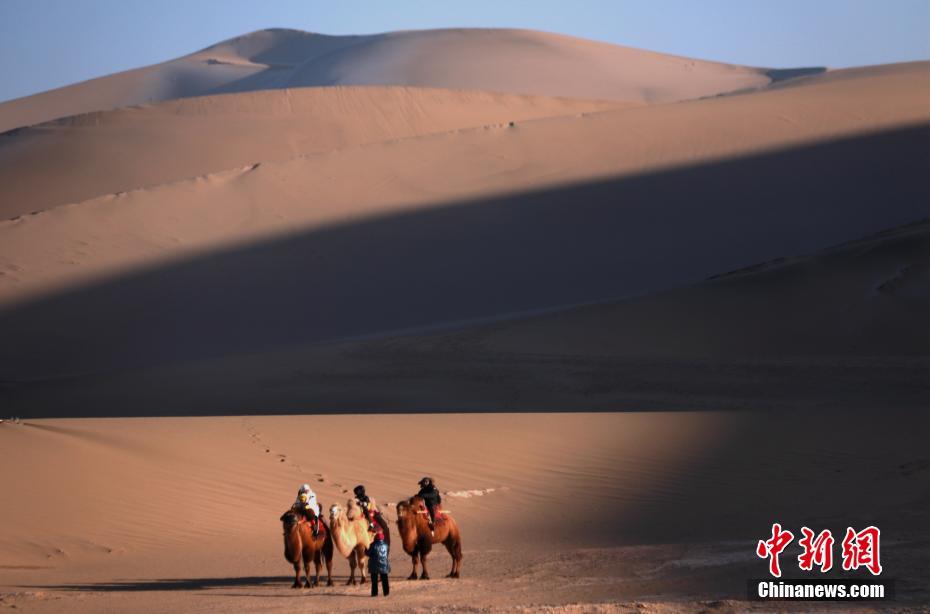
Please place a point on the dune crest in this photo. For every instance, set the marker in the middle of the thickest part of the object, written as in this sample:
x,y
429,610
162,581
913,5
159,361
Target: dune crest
x,y
511,61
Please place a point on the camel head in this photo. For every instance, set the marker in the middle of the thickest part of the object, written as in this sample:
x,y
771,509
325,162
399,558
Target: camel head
x,y
407,522
336,514
290,519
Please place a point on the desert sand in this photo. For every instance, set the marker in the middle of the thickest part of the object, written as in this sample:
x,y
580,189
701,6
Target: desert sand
x,y
634,511
143,147
446,265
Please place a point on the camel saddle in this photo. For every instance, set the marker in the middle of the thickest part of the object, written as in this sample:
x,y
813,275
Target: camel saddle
x,y
438,512
319,523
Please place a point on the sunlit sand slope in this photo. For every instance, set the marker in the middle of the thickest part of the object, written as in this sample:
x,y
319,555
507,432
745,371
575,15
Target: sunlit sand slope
x,y
514,61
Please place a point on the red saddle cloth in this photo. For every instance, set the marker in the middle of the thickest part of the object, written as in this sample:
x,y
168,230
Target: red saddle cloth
x,y
439,515
319,523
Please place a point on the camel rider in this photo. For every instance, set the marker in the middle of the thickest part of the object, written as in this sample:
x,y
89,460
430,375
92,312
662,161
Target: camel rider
x,y
364,502
307,505
430,495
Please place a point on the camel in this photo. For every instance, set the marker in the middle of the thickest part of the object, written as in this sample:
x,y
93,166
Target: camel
x,y
351,536
378,520
299,543
413,526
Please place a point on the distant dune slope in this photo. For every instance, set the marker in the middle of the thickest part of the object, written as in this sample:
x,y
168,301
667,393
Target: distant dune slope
x,y
70,245
513,61
874,75
116,151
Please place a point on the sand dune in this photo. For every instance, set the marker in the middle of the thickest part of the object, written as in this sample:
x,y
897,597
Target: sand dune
x,y
113,514
527,62
197,74
151,225
606,205
565,211
108,152
117,151
513,61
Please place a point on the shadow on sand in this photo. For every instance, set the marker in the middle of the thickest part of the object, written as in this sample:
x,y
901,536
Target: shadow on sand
x,y
95,350
202,584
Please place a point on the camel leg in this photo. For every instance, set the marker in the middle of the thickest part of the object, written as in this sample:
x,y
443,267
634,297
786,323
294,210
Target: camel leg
x,y
296,583
425,574
327,553
455,551
362,561
352,565
308,584
317,564
329,570
413,574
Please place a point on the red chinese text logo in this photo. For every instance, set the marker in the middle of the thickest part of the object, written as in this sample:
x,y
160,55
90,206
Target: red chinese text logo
x,y
861,550
817,551
772,547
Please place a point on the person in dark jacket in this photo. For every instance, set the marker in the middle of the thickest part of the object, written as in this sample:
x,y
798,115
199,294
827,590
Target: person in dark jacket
x,y
430,495
379,564
364,502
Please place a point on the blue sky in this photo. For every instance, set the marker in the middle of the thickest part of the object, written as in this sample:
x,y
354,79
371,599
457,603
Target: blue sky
x,y
50,43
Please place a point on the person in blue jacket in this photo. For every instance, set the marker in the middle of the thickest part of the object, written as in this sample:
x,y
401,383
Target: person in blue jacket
x,y
379,564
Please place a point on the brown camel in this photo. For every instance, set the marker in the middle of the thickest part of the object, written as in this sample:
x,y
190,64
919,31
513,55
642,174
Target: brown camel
x,y
413,526
351,536
299,543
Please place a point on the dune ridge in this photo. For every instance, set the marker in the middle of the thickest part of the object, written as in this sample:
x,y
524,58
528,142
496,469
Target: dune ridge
x,y
512,61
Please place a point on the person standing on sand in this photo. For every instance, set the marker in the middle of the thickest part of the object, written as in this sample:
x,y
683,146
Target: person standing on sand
x,y
379,564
